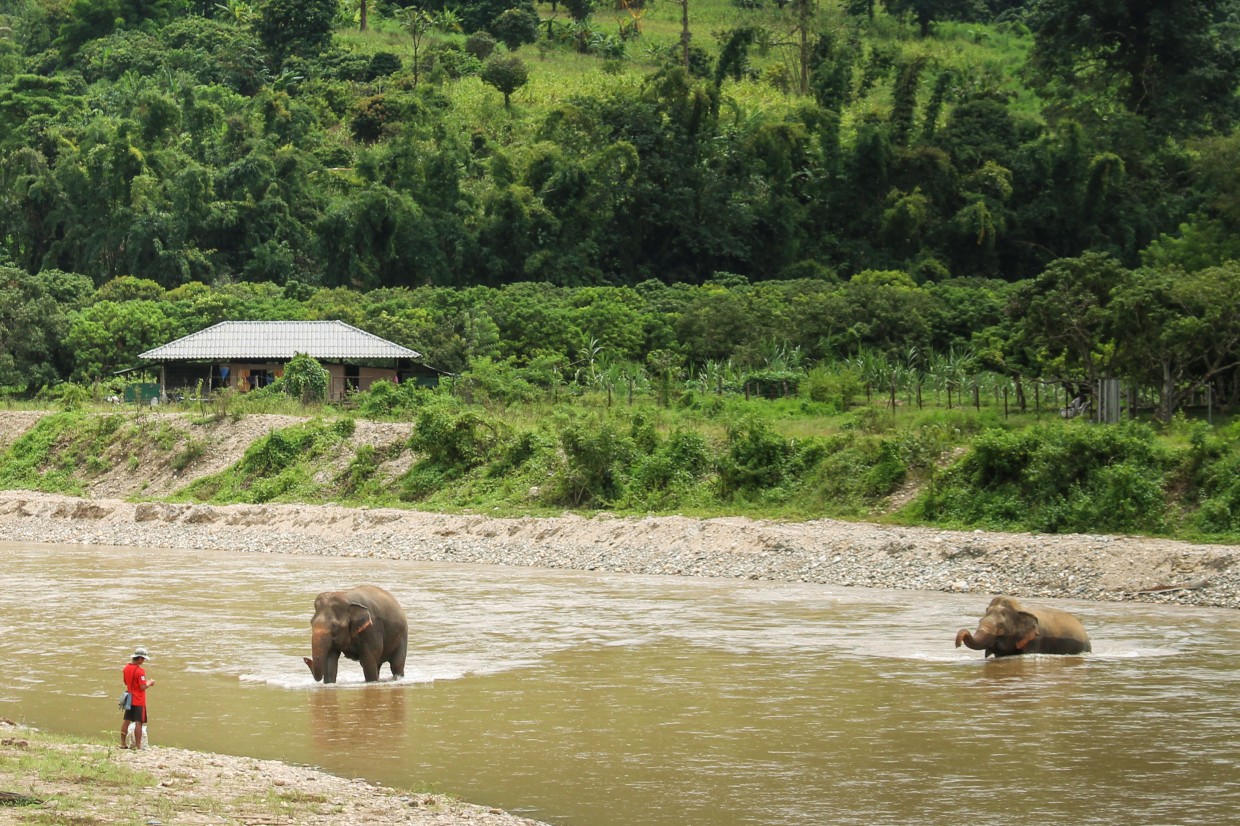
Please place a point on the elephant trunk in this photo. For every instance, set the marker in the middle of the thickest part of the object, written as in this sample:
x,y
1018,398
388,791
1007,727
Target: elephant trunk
x,y
320,645
979,640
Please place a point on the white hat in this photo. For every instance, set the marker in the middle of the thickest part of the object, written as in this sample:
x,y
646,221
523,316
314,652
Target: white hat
x,y
140,651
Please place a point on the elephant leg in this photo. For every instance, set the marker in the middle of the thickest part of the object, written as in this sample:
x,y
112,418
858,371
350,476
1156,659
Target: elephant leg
x,y
329,666
397,660
370,667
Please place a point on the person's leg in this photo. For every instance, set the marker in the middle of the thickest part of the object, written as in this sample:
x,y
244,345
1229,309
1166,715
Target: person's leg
x,y
124,733
137,728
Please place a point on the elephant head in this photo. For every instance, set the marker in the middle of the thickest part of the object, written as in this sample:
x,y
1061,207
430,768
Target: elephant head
x,y
335,627
1009,628
1005,627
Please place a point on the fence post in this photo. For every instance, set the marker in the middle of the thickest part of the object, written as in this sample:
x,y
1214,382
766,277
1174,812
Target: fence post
x,y
1108,401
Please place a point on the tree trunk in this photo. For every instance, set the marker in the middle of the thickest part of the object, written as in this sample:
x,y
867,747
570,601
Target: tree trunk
x,y
805,7
1168,401
685,36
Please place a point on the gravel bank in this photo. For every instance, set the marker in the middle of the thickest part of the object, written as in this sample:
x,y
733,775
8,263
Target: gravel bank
x,y
823,551
188,787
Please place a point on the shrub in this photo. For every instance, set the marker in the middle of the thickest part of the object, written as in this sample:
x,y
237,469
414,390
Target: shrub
x,y
453,440
306,379
516,27
1056,478
383,64
676,463
753,459
596,460
480,45
387,399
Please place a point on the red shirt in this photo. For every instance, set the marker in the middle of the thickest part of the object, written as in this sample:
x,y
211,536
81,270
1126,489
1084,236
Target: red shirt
x,y
135,683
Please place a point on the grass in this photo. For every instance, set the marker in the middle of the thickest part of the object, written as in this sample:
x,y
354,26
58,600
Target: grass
x,y
73,781
69,780
977,56
705,456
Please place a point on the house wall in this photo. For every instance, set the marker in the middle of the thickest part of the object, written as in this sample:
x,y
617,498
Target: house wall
x,y
181,379
346,379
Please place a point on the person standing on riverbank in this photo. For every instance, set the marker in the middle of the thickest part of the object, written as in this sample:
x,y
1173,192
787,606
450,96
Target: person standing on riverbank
x,y
136,684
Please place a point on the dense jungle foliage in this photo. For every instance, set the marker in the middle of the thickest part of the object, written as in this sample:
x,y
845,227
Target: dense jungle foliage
x,y
767,208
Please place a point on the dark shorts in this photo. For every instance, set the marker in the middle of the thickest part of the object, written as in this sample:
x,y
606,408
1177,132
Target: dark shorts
x,y
136,714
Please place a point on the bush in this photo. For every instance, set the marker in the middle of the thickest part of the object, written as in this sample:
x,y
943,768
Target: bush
x,y
754,458
386,399
383,64
306,379
678,462
1054,479
488,380
451,440
833,386
480,45
455,62
597,458
516,27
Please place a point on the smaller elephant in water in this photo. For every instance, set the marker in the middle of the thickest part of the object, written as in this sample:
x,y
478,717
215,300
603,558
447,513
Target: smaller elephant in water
x,y
1008,628
366,624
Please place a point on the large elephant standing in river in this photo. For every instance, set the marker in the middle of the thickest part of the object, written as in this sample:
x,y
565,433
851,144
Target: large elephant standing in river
x,y
366,624
1009,628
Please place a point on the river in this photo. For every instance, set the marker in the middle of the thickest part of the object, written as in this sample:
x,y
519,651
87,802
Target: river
x,y
601,700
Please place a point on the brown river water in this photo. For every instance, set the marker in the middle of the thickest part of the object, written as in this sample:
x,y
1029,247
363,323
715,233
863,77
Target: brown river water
x,y
601,700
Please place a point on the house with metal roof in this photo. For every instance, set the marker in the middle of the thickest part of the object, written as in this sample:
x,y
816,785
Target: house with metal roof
x,y
247,355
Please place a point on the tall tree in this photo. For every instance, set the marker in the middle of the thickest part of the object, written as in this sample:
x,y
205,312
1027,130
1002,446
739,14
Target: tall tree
x,y
1064,315
1178,331
35,315
301,28
1175,63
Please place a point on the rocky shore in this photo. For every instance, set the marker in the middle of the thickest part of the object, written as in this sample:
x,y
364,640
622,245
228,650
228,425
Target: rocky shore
x,y
188,787
821,551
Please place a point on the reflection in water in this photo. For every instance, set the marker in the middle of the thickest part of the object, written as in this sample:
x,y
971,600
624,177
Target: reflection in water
x,y
590,700
342,718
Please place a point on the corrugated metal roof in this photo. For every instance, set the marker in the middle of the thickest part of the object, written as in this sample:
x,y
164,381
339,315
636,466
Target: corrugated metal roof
x,y
279,340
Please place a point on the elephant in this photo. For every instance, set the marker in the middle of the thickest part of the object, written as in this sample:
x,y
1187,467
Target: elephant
x,y
1008,628
365,623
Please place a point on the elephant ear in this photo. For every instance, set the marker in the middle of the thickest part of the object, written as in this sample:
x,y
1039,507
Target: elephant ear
x,y
1026,629
359,618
